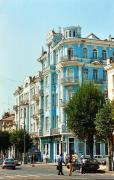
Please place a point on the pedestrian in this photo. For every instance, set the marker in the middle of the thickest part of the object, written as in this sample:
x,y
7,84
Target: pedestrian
x,y
82,165
60,162
70,165
66,159
46,158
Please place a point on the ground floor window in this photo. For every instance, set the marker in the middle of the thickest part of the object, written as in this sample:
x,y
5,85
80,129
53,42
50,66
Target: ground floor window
x,y
57,148
97,148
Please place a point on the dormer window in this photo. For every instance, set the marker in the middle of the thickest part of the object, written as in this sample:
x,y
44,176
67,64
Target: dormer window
x,y
104,54
94,54
73,33
69,33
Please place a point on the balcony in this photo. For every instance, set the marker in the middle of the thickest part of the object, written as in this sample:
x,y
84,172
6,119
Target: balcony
x,y
73,60
69,81
55,131
24,102
99,81
65,130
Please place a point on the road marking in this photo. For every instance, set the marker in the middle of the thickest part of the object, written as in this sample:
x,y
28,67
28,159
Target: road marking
x,y
20,175
11,177
33,175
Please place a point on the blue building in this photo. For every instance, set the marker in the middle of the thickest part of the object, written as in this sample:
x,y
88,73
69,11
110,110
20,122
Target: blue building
x,y
69,61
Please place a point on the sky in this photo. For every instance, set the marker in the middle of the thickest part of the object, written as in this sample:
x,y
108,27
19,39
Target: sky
x,y
24,25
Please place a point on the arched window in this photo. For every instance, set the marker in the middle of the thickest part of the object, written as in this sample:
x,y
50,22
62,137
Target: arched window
x,y
69,33
104,54
84,52
70,53
94,53
73,33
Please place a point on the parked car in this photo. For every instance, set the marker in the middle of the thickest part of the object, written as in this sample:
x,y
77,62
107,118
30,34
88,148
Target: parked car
x,y
101,159
88,165
9,163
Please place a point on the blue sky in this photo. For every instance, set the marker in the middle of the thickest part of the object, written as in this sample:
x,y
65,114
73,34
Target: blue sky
x,y
23,28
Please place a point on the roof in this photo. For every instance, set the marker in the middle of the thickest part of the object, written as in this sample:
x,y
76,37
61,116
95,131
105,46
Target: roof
x,y
92,36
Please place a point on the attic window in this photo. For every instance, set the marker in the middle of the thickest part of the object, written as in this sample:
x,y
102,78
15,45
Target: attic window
x,y
73,33
69,33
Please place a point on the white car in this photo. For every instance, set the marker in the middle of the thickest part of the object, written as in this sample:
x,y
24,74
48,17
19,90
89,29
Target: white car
x,y
9,163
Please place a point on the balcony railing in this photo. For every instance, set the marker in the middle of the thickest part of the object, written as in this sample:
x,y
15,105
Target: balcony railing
x,y
69,80
55,131
24,102
70,58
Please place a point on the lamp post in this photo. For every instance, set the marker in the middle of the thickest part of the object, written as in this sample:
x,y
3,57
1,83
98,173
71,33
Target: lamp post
x,y
24,158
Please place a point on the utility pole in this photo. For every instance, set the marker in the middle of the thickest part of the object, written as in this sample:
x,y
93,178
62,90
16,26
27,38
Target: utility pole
x,y
24,158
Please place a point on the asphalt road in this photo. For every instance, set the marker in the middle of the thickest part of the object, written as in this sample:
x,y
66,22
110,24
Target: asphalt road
x,y
46,172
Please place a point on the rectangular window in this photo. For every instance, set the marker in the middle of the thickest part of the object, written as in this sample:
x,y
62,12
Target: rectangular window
x,y
84,52
87,149
57,148
46,81
95,74
106,149
85,73
56,100
70,72
47,102
47,123
97,148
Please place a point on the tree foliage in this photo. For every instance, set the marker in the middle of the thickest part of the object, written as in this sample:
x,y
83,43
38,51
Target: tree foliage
x,y
104,121
4,140
105,126
17,139
81,112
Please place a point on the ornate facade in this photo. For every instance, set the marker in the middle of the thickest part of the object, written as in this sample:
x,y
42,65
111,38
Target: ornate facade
x,y
69,61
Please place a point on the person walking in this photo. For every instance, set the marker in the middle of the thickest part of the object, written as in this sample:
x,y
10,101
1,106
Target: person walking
x,y
70,165
60,161
46,158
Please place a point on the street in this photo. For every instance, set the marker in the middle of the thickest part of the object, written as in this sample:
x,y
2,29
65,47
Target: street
x,y
43,171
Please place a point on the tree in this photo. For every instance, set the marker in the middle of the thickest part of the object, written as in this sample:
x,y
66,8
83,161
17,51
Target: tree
x,y
81,112
4,140
17,139
105,126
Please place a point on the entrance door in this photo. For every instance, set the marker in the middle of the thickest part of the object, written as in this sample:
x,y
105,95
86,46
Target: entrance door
x,y
71,145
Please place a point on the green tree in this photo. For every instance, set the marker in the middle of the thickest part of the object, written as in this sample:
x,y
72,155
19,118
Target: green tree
x,y
17,139
105,126
4,140
81,112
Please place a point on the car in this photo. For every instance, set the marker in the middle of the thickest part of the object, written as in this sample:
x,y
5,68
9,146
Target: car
x,y
101,159
9,163
88,165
